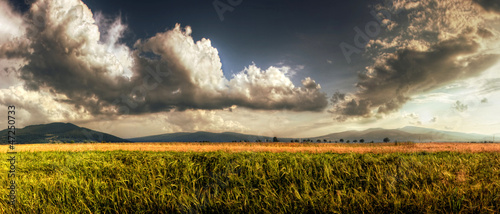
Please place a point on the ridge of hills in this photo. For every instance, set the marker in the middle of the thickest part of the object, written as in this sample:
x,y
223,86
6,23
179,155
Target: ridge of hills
x,y
58,132
408,133
67,132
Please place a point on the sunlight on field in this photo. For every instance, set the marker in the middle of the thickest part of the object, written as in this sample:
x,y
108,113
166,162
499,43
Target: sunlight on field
x,y
267,147
253,182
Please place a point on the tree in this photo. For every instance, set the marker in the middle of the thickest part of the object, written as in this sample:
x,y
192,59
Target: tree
x,y
386,140
355,141
324,140
318,141
341,140
362,140
275,139
296,141
348,141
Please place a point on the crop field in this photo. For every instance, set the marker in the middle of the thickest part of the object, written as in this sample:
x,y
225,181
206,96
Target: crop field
x,y
268,147
79,179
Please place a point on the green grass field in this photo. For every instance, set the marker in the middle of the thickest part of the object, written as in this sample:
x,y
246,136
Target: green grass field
x,y
253,182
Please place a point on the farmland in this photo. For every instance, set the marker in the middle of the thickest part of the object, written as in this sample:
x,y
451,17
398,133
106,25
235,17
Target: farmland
x,y
256,178
268,147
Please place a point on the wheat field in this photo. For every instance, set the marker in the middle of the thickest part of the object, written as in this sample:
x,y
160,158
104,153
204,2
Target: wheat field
x,y
253,182
268,147
254,178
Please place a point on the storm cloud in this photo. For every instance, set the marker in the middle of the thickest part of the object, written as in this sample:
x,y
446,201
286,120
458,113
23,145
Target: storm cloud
x,y
489,5
67,54
426,62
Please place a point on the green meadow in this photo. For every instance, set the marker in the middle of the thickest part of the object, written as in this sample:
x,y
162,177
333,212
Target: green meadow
x,y
253,182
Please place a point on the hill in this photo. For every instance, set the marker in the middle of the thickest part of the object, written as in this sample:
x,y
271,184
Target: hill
x,y
409,133
67,132
376,135
439,135
62,132
203,136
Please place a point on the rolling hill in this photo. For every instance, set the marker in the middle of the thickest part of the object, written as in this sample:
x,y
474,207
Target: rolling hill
x,y
203,136
67,132
439,135
409,133
62,132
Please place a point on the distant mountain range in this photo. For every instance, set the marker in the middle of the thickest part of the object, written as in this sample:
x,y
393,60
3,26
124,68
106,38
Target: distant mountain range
x,y
409,133
204,136
58,132
67,132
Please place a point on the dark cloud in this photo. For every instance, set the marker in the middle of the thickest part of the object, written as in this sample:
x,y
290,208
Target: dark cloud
x,y
426,50
484,100
337,97
484,33
489,5
168,71
16,48
392,82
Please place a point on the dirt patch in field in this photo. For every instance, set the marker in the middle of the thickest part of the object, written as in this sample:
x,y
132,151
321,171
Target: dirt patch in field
x,y
267,147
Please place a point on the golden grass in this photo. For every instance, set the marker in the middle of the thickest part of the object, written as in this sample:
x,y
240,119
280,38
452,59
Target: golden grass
x,y
267,147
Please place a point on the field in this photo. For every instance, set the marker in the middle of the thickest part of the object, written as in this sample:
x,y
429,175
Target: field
x,y
268,147
255,178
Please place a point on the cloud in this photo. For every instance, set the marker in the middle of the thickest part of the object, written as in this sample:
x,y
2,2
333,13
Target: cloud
x,y
78,55
459,106
489,85
433,120
15,48
489,5
430,49
413,118
12,22
337,97
200,120
392,82
165,122
11,46
36,107
484,33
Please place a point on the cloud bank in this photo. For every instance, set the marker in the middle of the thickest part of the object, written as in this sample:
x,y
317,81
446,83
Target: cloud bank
x,y
433,44
67,55
489,5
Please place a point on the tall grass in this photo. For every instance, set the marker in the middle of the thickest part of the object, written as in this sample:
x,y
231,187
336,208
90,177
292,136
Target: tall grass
x,y
219,182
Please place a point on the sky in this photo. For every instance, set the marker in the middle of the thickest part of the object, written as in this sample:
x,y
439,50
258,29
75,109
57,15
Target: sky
x,y
271,68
